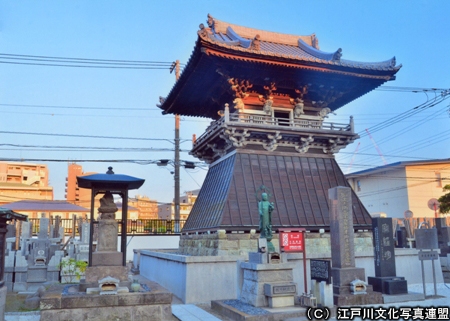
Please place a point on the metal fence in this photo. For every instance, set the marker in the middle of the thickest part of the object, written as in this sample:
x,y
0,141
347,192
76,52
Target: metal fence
x,y
134,227
157,226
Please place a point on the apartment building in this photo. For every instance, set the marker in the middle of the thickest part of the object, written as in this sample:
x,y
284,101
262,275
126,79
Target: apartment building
x,y
24,181
404,186
167,211
147,208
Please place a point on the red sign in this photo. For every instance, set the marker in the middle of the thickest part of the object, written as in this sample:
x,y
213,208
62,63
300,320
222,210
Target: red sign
x,y
292,242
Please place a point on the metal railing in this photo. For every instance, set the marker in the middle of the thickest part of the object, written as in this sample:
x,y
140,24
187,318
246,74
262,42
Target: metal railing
x,y
134,227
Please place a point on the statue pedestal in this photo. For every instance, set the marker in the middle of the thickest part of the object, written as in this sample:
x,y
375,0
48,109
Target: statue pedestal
x,y
268,284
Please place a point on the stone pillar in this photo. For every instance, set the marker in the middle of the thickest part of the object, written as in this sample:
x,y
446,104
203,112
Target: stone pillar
x,y
343,251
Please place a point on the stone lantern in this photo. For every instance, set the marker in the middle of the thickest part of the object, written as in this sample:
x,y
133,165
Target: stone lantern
x,y
106,260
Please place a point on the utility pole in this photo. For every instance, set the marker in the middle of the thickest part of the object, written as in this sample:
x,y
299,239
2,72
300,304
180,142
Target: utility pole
x,y
176,66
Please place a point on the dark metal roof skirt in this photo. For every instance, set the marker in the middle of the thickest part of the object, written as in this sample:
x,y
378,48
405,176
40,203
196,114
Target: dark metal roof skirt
x,y
298,184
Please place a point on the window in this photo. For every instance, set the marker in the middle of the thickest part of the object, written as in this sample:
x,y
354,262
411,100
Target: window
x,y
358,185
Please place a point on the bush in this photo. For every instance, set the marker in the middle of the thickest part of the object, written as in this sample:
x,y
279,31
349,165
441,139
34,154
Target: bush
x,y
72,270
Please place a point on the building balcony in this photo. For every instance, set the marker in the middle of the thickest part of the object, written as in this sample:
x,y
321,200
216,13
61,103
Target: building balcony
x,y
253,130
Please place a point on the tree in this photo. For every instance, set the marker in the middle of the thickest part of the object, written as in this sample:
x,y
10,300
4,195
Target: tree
x,y
444,200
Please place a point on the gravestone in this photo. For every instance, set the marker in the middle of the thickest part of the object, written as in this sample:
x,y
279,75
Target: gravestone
x,y
44,224
402,242
443,232
26,235
385,280
85,232
342,241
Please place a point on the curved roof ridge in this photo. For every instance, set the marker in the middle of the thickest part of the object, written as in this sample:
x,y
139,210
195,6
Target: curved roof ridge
x,y
329,56
318,56
381,65
270,36
246,43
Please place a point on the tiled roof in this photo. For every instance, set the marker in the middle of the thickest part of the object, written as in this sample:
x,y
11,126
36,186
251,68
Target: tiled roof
x,y
267,36
32,205
284,46
229,52
299,187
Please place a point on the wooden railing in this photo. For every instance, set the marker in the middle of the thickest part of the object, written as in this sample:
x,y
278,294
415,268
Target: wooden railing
x,y
274,121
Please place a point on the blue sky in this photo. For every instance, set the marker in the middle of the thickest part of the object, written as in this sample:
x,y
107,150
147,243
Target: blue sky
x,y
122,102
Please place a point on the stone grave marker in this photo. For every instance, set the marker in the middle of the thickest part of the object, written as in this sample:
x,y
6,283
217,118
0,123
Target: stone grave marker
x,y
385,280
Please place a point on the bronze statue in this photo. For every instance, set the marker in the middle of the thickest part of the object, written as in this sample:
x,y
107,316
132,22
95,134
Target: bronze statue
x,y
265,209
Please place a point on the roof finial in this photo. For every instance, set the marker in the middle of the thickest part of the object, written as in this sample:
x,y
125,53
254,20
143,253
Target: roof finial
x,y
110,171
256,43
337,55
211,23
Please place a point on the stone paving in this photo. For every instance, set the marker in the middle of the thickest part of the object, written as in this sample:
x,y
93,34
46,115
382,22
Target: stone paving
x,y
190,312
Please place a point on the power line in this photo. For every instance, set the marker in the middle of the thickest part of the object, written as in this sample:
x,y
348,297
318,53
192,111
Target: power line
x,y
87,149
81,62
409,89
80,107
428,141
55,160
87,59
409,113
79,66
88,136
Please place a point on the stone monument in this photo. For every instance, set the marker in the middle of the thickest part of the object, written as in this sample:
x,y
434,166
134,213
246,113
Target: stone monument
x,y
349,286
385,280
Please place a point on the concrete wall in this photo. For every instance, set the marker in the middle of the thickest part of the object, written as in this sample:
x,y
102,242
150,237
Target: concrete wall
x,y
194,279
200,279
149,242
